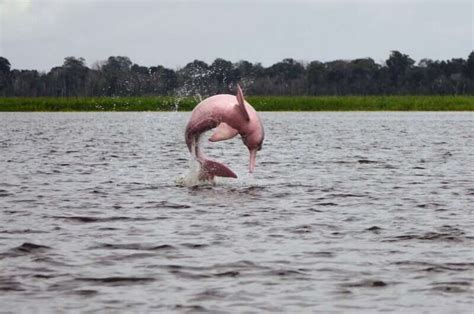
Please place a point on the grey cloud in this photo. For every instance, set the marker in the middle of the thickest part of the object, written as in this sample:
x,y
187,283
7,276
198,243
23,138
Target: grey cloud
x,y
40,34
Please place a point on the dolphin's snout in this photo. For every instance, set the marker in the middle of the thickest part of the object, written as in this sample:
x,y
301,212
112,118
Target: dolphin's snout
x,y
253,158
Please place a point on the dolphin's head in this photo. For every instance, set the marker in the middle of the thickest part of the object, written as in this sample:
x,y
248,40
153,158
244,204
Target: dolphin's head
x,y
253,130
254,141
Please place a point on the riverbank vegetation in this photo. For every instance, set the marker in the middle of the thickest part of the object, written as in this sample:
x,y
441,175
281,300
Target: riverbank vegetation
x,y
261,103
118,76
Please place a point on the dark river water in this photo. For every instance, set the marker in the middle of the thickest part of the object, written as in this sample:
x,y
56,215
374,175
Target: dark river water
x,y
346,212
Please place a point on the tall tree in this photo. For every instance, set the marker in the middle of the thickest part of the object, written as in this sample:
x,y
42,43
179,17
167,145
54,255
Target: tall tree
x,y
224,75
5,77
469,69
338,73
163,80
362,76
195,79
316,72
287,76
398,66
116,71
75,72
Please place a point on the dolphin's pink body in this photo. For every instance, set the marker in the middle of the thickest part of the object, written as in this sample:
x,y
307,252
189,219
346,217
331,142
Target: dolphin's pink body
x,y
230,115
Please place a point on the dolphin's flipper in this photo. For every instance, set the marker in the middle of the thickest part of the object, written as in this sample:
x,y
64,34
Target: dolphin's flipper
x,y
211,169
223,132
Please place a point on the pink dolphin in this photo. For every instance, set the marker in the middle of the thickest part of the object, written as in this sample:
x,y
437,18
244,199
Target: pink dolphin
x,y
230,115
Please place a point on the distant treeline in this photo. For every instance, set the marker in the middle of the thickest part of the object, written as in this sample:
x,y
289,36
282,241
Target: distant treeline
x,y
119,76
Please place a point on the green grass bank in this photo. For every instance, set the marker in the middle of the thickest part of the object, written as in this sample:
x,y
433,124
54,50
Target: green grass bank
x,y
261,103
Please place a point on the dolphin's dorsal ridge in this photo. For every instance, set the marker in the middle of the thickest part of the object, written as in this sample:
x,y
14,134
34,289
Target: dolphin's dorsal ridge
x,y
241,101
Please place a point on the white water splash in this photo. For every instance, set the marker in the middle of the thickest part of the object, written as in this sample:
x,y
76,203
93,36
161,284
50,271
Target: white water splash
x,y
191,178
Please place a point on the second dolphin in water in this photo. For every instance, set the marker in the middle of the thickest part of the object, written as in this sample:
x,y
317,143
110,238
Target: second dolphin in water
x,y
230,115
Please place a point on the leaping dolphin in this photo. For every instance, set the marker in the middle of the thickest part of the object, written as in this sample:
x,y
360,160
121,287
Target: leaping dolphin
x,y
230,115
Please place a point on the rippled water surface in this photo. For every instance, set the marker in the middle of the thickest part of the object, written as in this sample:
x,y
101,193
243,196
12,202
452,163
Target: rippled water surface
x,y
345,212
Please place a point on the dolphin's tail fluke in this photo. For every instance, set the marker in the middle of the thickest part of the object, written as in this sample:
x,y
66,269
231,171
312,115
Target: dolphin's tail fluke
x,y
210,169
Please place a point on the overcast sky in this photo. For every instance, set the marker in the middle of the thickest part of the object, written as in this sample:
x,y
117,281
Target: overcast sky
x,y
38,34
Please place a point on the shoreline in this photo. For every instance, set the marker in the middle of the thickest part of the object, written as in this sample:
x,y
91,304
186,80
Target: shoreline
x,y
260,103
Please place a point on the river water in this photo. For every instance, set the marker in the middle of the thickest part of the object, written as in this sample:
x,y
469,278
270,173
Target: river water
x,y
346,212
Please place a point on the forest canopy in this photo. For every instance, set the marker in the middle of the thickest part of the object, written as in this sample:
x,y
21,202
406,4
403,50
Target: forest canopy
x,y
119,76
